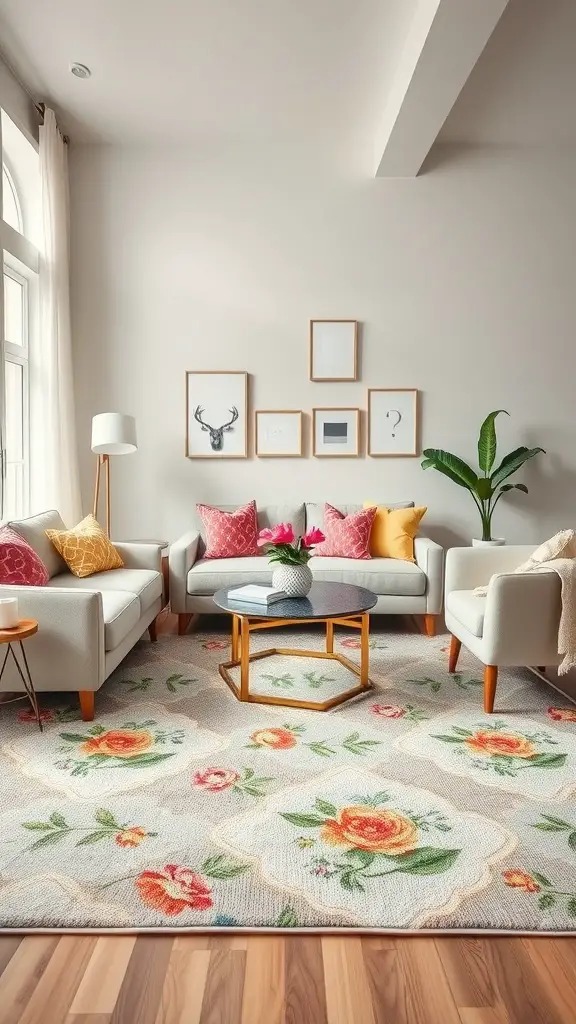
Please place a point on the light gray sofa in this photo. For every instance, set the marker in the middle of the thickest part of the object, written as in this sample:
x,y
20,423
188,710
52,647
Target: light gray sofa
x,y
402,587
87,626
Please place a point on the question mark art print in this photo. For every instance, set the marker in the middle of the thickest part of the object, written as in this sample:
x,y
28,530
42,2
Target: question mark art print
x,y
398,414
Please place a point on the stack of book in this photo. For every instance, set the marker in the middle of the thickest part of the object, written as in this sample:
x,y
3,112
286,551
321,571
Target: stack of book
x,y
259,597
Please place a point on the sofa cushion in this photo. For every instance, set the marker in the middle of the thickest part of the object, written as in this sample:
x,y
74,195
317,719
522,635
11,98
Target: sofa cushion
x,y
315,511
86,548
19,563
468,608
267,516
145,584
33,530
121,613
209,575
389,577
346,536
229,534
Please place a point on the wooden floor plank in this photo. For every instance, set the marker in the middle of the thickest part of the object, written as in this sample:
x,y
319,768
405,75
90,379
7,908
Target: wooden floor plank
x,y
466,963
99,988
222,1003
264,981
556,973
483,1015
390,996
428,995
53,995
184,985
22,974
141,989
521,989
305,991
88,1018
348,994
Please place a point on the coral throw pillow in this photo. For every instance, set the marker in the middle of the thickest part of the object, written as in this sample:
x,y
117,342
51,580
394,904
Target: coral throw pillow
x,y
393,531
346,536
86,548
230,534
19,563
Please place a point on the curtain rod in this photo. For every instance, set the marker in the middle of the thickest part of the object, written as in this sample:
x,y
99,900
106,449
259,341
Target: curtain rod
x,y
41,108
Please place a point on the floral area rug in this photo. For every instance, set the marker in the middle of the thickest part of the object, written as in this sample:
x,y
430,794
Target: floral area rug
x,y
179,807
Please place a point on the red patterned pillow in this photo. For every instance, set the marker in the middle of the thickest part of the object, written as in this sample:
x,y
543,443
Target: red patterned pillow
x,y
346,536
230,534
20,566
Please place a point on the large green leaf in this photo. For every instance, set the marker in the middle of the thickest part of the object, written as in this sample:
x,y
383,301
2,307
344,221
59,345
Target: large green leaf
x,y
513,462
487,441
428,860
451,466
302,820
484,488
513,487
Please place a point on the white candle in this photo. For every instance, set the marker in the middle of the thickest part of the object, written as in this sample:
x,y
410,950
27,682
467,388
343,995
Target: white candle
x,y
8,612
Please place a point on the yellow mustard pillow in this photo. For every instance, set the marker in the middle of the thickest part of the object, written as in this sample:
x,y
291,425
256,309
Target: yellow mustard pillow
x,y
393,531
86,548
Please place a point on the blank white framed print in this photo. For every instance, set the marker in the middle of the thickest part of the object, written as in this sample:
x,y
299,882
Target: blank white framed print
x,y
278,433
336,433
333,350
392,422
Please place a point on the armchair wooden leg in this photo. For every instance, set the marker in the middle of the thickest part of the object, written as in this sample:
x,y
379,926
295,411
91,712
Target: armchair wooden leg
x,y
430,625
490,680
184,620
153,630
455,645
87,705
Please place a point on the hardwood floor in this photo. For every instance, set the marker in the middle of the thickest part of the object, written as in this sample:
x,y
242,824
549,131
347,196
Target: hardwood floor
x,y
235,979
292,979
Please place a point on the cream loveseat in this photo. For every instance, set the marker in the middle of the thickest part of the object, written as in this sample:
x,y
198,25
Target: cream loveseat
x,y
402,587
88,625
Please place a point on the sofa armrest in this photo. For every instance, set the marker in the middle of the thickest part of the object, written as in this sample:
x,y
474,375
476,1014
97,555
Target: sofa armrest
x,y
430,558
181,559
140,556
467,568
522,618
67,652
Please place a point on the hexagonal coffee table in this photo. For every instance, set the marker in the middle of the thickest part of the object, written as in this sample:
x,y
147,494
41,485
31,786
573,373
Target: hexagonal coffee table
x,y
336,604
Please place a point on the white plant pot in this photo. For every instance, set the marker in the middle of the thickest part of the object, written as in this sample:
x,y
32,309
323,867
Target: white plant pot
x,y
296,580
496,543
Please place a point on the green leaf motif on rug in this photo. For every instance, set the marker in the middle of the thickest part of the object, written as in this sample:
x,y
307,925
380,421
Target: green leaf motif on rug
x,y
492,747
57,828
143,685
550,823
130,746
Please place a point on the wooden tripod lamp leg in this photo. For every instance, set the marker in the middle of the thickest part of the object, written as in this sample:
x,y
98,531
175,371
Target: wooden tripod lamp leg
x,y
107,468
97,486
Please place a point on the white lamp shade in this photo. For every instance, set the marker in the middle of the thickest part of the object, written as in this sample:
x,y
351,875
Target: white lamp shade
x,y
113,433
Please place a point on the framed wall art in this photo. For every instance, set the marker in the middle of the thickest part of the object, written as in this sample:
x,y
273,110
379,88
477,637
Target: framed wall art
x,y
216,414
392,422
278,433
336,432
333,350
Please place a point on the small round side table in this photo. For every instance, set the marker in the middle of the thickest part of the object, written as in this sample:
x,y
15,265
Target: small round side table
x,y
16,635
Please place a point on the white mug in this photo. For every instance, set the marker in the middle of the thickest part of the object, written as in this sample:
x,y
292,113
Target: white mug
x,y
8,612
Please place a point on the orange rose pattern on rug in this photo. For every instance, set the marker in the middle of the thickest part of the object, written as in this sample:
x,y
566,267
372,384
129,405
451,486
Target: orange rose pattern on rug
x,y
119,743
366,828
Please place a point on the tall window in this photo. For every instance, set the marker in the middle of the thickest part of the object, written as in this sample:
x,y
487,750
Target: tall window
x,y
19,229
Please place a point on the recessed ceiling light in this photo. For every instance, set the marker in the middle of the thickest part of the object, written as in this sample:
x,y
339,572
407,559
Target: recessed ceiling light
x,y
80,70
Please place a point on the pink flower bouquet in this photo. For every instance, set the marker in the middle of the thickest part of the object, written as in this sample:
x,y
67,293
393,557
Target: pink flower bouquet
x,y
287,549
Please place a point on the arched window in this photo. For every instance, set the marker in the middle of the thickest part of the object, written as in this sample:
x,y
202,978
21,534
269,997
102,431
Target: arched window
x,y
12,210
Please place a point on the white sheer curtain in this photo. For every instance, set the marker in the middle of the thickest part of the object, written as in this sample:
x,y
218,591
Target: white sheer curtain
x,y
55,476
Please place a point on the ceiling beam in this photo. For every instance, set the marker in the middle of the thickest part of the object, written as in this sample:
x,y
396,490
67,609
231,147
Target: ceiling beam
x,y
443,43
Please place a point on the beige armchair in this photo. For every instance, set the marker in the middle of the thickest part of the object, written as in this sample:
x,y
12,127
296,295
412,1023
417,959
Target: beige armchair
x,y
516,623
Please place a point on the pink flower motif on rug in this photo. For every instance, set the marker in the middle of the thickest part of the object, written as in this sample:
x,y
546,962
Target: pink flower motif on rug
x,y
388,710
27,715
173,890
562,714
215,779
214,645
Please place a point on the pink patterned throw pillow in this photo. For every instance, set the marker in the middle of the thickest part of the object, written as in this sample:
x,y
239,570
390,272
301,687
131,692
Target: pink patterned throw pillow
x,y
346,536
230,534
20,566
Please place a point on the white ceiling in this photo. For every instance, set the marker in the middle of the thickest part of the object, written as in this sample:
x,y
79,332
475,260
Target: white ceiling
x,y
286,73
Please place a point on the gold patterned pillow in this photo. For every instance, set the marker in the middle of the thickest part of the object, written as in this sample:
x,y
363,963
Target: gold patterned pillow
x,y
86,548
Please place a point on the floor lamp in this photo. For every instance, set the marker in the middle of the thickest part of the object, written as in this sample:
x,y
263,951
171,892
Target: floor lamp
x,y
112,434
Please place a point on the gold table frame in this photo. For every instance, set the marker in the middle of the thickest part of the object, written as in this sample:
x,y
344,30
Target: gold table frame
x,y
244,624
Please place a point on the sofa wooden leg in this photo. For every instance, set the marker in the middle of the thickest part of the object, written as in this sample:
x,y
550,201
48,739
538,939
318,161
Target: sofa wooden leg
x,y
153,630
87,704
455,645
184,619
430,625
490,680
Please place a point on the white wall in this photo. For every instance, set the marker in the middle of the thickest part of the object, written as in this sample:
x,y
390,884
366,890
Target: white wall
x,y
464,281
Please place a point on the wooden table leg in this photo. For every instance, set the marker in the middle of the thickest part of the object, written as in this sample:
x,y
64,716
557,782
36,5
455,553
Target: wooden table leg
x,y
365,649
244,656
235,637
329,637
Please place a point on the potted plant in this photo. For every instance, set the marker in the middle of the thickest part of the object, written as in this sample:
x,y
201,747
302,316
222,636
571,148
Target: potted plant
x,y
291,554
487,486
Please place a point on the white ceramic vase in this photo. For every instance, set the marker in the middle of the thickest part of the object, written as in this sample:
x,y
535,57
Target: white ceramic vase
x,y
295,580
496,543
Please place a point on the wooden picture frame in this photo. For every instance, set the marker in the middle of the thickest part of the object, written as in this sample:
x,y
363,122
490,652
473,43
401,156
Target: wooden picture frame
x,y
264,446
333,350
385,440
207,430
332,445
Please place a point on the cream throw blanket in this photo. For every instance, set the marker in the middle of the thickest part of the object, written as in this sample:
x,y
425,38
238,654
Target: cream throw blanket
x,y
559,555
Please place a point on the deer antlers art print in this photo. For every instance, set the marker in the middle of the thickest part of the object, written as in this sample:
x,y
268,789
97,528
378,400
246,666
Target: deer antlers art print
x,y
217,414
